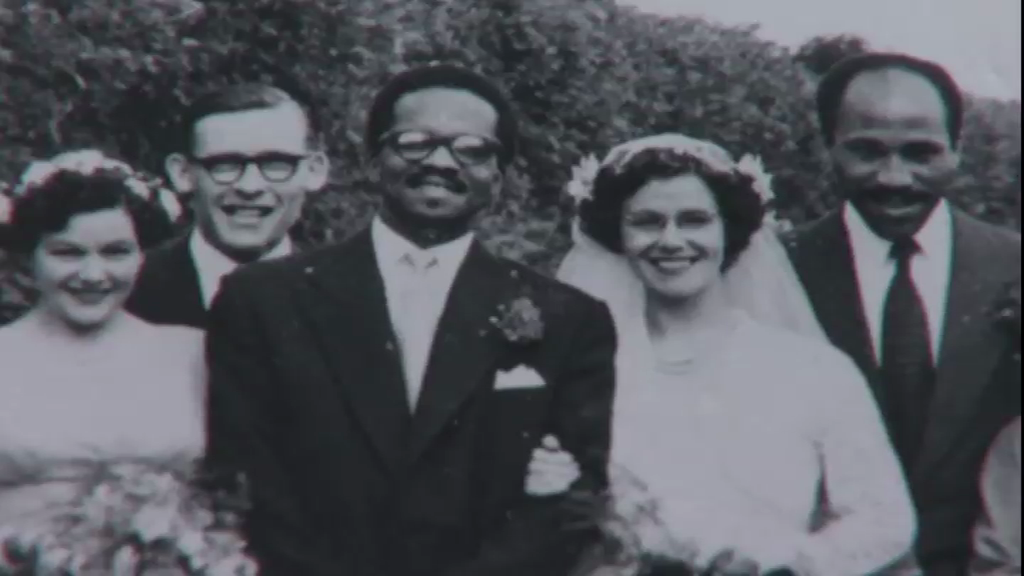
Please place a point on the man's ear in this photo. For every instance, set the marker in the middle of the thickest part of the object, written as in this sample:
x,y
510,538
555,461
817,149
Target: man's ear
x,y
319,167
181,178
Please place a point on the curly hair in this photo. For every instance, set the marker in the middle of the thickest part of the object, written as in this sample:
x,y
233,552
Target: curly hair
x,y
47,208
741,207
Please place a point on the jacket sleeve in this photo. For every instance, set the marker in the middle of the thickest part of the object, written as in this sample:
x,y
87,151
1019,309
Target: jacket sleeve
x,y
536,537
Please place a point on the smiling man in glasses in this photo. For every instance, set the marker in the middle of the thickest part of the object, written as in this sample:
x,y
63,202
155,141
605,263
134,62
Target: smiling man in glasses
x,y
249,156
383,396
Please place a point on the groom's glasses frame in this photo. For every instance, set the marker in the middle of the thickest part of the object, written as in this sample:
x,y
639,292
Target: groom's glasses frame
x,y
467,149
226,169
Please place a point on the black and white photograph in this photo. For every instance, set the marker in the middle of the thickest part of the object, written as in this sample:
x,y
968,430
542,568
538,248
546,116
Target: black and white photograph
x,y
510,288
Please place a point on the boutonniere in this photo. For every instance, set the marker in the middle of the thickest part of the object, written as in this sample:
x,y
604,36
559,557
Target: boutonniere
x,y
520,321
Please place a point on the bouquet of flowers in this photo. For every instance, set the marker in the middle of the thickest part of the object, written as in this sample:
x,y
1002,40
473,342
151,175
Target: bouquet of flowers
x,y
130,518
635,540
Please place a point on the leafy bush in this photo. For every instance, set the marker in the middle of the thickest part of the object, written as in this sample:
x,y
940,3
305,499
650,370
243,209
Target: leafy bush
x,y
584,75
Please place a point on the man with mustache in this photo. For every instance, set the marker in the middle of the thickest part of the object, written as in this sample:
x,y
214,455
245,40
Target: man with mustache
x,y
903,282
382,397
249,155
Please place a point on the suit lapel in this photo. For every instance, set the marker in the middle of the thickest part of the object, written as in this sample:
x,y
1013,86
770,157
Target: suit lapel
x,y
827,268
970,344
464,348
168,288
351,320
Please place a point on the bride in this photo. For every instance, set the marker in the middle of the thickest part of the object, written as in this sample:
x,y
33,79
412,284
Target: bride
x,y
82,379
758,445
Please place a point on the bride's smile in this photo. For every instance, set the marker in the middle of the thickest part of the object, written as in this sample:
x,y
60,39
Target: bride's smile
x,y
672,235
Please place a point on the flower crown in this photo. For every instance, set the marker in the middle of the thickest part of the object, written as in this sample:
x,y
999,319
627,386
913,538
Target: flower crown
x,y
88,162
581,186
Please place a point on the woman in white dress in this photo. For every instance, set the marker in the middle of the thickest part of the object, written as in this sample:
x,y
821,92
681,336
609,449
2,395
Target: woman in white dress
x,y
740,421
80,379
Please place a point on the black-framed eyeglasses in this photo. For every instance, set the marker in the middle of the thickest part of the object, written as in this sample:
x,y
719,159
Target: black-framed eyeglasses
x,y
229,168
467,149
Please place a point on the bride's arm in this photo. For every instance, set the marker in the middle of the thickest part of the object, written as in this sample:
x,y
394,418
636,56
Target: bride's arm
x,y
872,518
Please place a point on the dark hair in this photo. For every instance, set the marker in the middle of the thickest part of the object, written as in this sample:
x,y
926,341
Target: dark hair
x,y
740,206
243,97
382,111
834,85
48,208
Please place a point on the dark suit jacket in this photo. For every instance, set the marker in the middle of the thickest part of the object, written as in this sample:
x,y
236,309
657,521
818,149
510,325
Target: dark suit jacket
x,y
167,290
307,398
970,405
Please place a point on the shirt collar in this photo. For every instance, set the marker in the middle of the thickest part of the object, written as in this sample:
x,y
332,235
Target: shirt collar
x,y
212,265
934,237
392,247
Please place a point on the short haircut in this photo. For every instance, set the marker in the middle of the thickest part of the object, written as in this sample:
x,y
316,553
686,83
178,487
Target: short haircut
x,y
833,87
382,112
242,97
740,206
47,209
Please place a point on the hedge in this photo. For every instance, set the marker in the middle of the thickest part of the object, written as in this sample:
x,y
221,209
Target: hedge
x,y
584,75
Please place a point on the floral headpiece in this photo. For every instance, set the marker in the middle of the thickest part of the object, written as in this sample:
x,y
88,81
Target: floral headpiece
x,y
88,162
581,187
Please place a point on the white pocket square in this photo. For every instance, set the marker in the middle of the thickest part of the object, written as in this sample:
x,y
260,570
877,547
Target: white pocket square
x,y
519,378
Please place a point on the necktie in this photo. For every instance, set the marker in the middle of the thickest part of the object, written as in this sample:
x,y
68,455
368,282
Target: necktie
x,y
908,369
414,323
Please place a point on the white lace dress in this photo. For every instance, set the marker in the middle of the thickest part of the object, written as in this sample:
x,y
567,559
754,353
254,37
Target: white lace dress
x,y
734,449
135,393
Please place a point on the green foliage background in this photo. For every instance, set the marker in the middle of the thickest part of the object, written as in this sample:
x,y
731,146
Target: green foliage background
x,y
584,75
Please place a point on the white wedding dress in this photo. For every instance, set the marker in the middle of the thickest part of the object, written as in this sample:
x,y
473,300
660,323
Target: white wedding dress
x,y
734,448
135,393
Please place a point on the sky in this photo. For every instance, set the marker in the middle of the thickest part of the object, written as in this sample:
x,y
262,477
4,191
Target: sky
x,y
977,40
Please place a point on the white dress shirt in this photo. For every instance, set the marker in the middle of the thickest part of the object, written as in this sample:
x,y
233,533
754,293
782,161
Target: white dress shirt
x,y
212,265
416,282
930,268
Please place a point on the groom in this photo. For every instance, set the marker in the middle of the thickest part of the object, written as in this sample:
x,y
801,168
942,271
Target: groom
x,y
382,397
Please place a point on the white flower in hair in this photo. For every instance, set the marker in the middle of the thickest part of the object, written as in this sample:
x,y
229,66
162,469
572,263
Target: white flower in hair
x,y
712,155
37,172
753,167
85,161
581,187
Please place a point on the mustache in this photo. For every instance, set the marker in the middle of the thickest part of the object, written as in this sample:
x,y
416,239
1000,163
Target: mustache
x,y
450,178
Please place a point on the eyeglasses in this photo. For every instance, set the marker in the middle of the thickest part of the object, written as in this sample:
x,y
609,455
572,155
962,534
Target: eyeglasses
x,y
467,149
229,168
